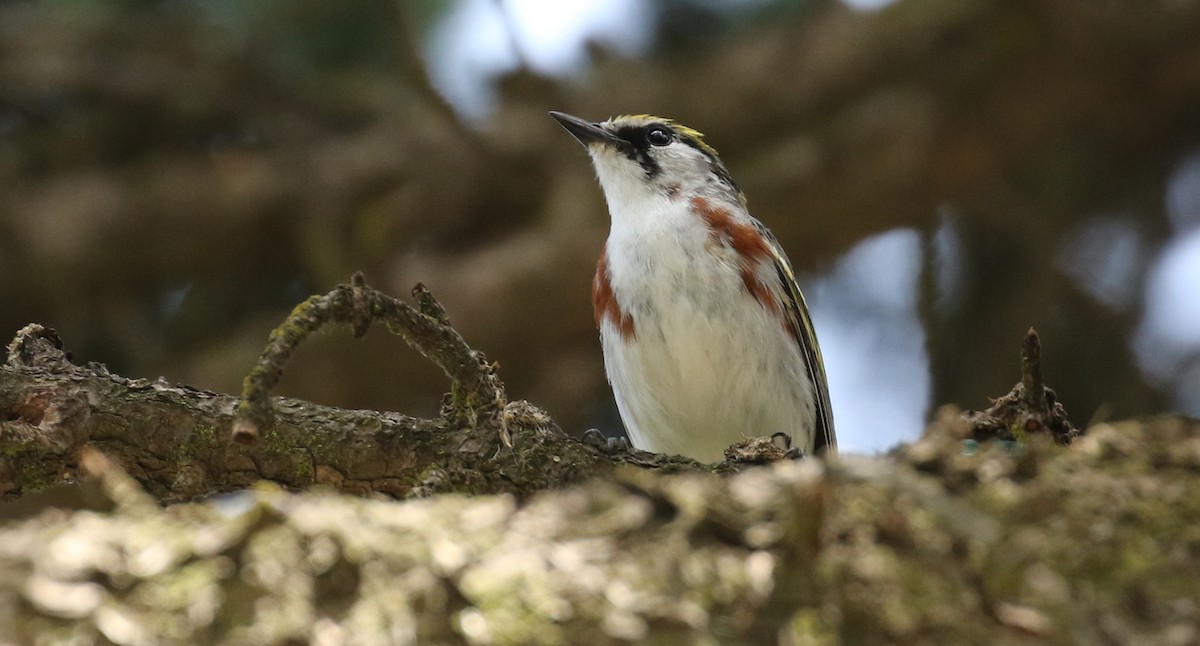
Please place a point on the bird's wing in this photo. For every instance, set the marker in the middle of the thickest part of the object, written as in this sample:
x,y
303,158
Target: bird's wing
x,y
796,310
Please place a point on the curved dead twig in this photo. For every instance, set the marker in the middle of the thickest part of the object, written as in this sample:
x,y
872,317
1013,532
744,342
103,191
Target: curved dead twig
x,y
475,390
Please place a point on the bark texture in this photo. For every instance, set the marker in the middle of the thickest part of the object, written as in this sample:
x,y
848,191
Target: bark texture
x,y
177,441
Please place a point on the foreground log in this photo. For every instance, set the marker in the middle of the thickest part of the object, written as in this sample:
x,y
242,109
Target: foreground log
x,y
1095,543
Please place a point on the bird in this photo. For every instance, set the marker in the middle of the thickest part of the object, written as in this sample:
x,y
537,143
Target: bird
x,y
706,337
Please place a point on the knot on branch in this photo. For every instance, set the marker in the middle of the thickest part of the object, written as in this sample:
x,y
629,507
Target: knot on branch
x,y
36,345
475,390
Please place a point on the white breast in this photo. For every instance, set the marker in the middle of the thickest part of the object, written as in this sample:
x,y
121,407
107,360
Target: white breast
x,y
708,365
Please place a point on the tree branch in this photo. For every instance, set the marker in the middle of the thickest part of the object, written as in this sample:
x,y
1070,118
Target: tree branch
x,y
181,443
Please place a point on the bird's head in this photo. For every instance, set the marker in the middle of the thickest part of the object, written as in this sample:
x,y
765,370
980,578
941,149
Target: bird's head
x,y
641,157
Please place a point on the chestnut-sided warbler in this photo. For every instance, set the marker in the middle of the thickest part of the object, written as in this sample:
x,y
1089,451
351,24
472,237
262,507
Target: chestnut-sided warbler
x,y
707,339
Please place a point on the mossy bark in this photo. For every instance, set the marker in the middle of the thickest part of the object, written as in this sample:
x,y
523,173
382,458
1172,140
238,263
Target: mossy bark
x,y
1095,543
176,441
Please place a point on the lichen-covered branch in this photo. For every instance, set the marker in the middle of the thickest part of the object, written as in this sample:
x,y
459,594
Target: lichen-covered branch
x,y
1089,544
175,440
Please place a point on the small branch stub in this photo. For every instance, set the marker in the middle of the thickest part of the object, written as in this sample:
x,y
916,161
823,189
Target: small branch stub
x,y
1030,407
36,344
1031,374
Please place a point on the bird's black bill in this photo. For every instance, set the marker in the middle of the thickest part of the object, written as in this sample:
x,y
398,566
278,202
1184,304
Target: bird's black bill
x,y
585,132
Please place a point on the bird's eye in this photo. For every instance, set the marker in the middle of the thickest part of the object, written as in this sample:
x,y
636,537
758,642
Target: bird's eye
x,y
659,136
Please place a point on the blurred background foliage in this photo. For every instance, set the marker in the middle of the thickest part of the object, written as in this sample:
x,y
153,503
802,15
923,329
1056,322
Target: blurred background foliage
x,y
176,174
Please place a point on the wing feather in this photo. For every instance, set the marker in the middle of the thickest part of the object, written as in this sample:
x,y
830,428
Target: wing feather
x,y
796,310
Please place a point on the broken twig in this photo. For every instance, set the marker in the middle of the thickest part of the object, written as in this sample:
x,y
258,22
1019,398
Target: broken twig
x,y
1030,407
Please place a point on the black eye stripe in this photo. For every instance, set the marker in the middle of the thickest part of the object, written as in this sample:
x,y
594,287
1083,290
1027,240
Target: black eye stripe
x,y
639,146
630,134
